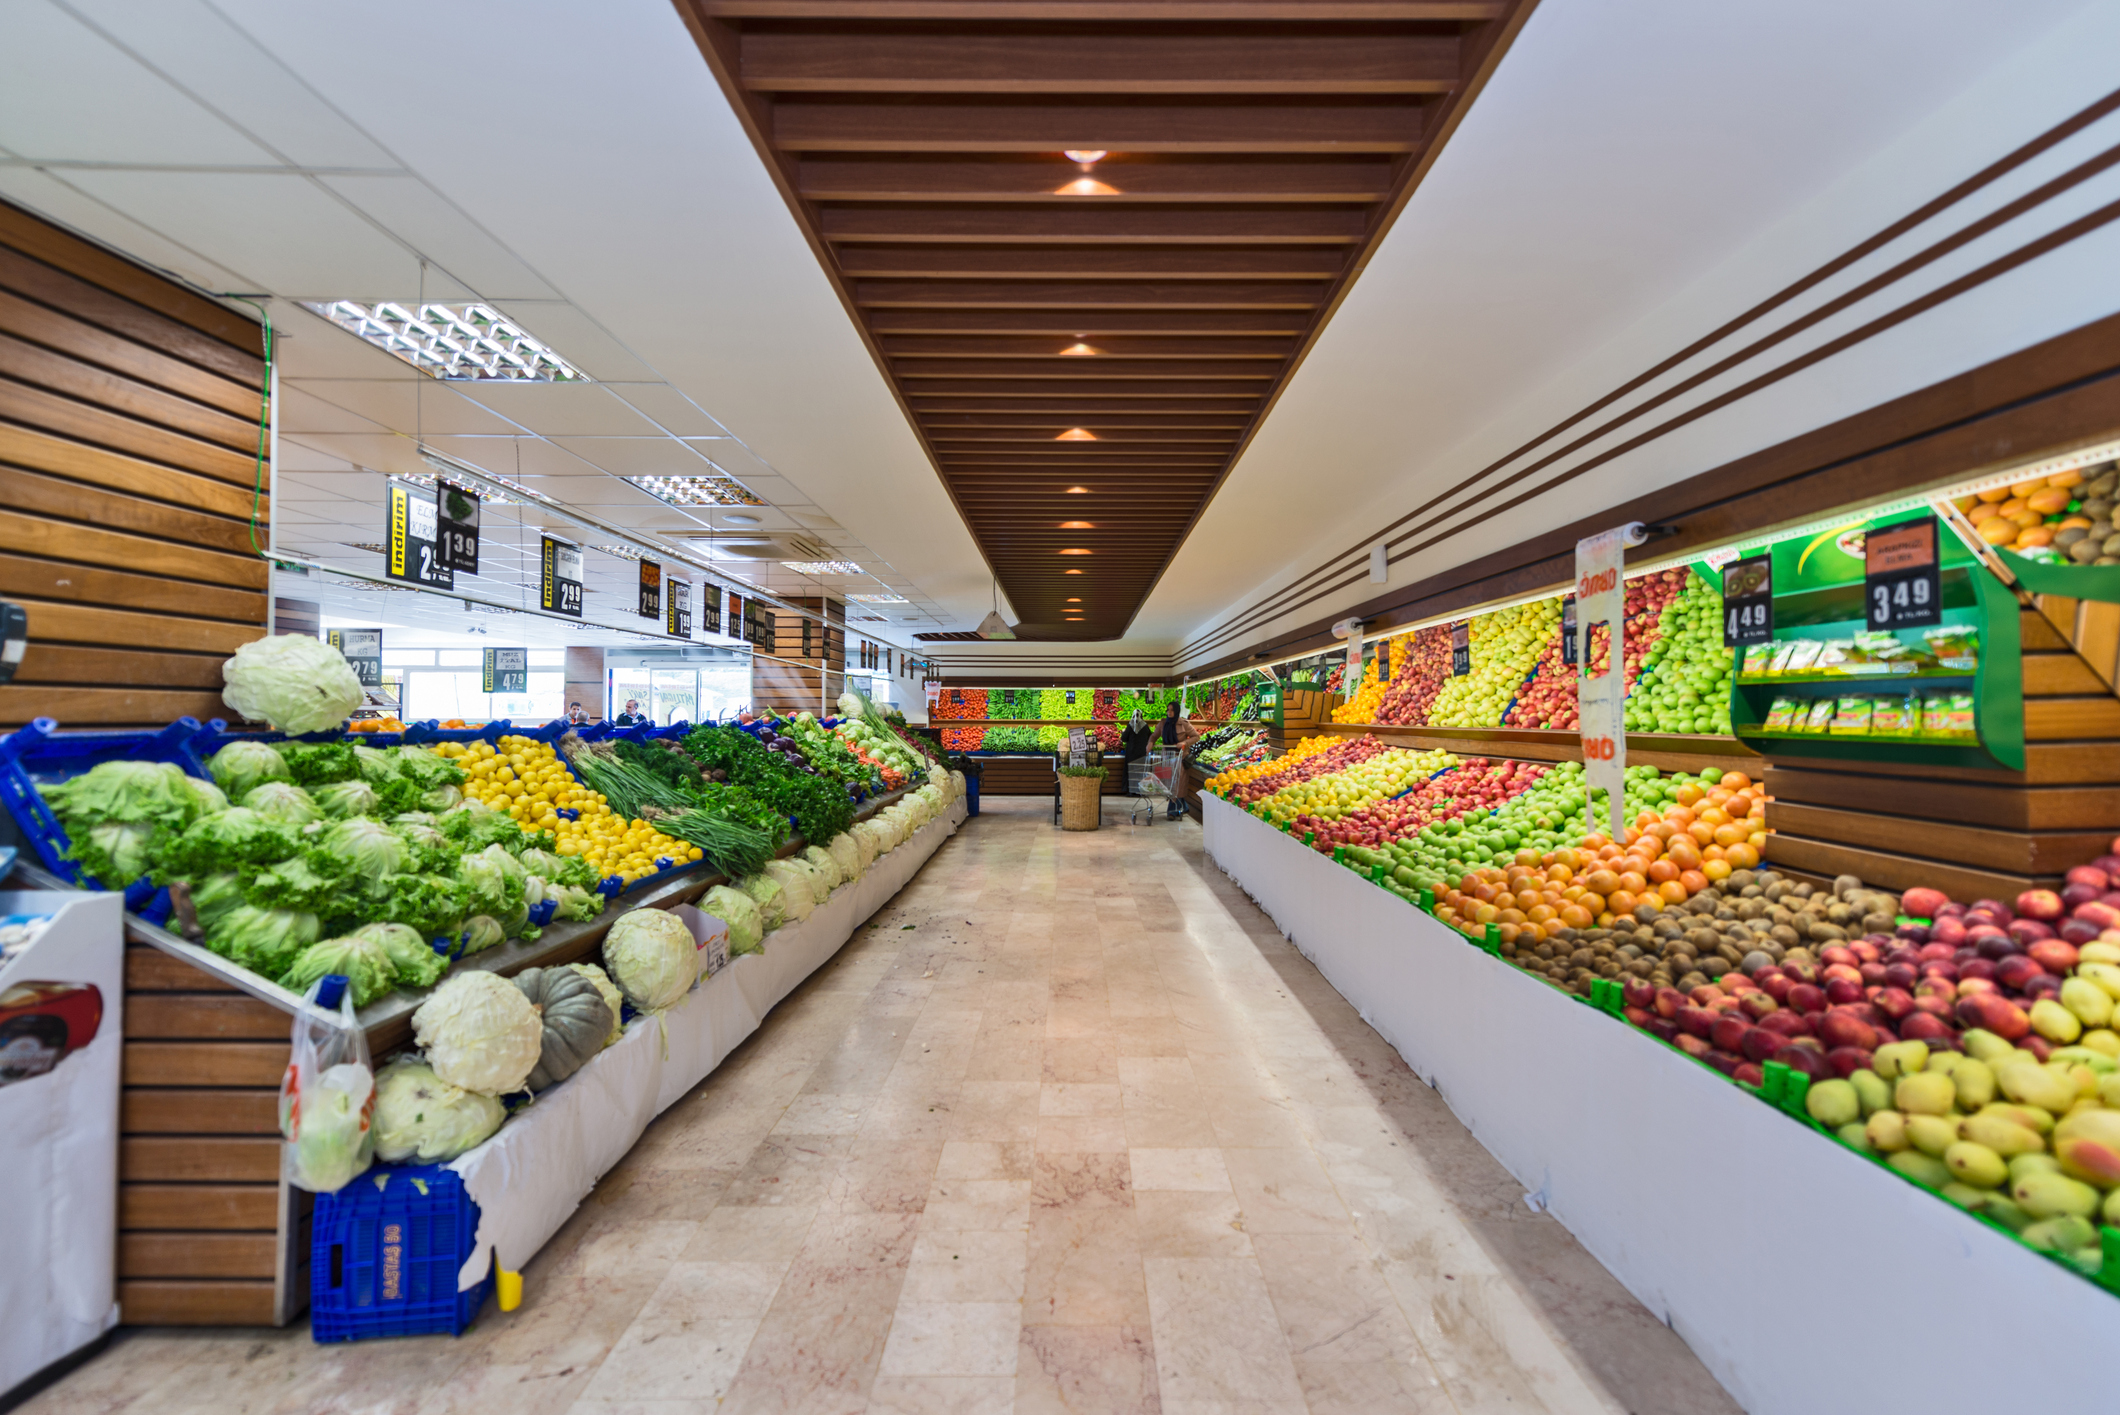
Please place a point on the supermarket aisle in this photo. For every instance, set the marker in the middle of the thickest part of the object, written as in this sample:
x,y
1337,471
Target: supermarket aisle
x,y
1069,1128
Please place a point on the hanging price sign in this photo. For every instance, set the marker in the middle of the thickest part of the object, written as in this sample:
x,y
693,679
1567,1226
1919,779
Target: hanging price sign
x,y
650,590
1901,583
1461,649
1602,598
559,582
1748,601
677,597
1571,651
363,651
457,511
411,551
504,670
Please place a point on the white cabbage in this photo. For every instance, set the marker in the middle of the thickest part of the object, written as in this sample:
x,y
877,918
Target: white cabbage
x,y
747,928
764,891
846,852
423,1119
297,683
652,957
796,897
480,1033
827,867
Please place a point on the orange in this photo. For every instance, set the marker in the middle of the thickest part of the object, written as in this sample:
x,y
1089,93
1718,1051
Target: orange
x,y
2026,488
1714,870
2036,535
1997,531
1730,834
1620,902
1575,916
1697,880
1672,891
2047,500
1995,493
1602,881
1663,871
1735,781
1633,882
1594,903
2013,507
1744,856
2065,479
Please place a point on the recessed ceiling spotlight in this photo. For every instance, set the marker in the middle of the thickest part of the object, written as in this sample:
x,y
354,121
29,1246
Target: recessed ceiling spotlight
x,y
470,342
1079,351
1076,526
1085,187
1074,552
1078,491
1087,157
1077,434
737,519
1074,600
1070,572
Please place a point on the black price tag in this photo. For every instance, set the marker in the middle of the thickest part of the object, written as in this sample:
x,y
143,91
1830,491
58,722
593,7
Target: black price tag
x,y
1748,601
411,525
1461,649
504,670
650,590
710,602
1070,697
1571,650
363,651
1902,585
677,601
559,581
457,511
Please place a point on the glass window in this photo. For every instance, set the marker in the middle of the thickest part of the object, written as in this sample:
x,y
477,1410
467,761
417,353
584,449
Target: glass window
x,y
673,695
548,658
460,658
408,658
441,694
629,684
724,691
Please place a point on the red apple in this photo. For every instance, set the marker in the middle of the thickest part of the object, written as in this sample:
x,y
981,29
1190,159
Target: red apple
x,y
1842,971
1661,1029
1779,986
1749,1075
2104,915
1844,1029
1895,1003
1706,993
1638,992
1789,1024
1810,1061
1668,1003
1806,997
1758,1044
2030,931
2055,955
1638,1016
1691,1045
1901,976
1846,1061
1838,953
1723,1061
2079,894
2016,971
1935,1005
1947,931
1758,1004
1972,987
2091,875
1923,1026
2039,904
1728,1033
1696,1021
1923,903
2077,931
1843,990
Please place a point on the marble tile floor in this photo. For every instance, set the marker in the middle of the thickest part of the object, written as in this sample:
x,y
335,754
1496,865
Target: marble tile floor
x,y
1067,1128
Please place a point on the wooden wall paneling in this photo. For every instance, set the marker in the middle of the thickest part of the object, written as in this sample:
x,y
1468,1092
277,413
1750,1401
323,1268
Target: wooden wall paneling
x,y
37,239
80,585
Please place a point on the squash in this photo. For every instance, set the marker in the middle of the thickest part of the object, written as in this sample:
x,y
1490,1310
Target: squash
x,y
576,1019
612,996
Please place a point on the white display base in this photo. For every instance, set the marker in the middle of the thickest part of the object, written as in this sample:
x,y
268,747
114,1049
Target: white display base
x,y
59,1134
1808,1280
531,1176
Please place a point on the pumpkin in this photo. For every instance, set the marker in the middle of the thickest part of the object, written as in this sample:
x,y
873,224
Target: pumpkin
x,y
576,1021
612,995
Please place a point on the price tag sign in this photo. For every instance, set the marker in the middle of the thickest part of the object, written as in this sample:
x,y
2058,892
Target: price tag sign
x,y
650,590
1461,648
457,508
1077,748
1602,725
1571,651
1901,582
1070,697
559,581
677,601
411,549
1748,601
504,670
363,651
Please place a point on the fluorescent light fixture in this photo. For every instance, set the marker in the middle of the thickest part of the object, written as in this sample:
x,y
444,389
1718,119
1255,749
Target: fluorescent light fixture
x,y
1085,187
823,567
474,343
736,520
453,472
1076,526
697,490
623,552
879,599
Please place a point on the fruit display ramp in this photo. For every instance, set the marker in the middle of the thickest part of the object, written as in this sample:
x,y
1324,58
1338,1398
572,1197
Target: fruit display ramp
x,y
1651,1161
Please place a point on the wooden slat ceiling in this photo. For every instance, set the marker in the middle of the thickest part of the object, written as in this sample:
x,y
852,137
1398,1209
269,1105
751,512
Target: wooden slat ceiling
x,y
1155,299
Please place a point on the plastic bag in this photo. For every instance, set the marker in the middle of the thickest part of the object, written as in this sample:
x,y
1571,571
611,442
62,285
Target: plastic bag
x,y
327,1097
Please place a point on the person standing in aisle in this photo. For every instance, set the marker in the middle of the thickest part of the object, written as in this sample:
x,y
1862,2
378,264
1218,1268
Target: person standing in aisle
x,y
1177,733
1133,744
632,716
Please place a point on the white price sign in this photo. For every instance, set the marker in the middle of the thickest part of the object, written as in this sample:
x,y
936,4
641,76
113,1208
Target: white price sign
x,y
1601,598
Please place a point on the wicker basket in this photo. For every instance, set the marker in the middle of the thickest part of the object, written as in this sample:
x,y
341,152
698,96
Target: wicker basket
x,y
1081,803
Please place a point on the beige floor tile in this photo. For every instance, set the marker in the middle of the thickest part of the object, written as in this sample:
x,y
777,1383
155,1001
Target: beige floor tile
x,y
953,1339
1199,1169
1216,1334
1076,1370
1084,1269
1078,1098
980,1204
969,1266
1098,1133
750,1235
942,1395
1286,1191
1078,1179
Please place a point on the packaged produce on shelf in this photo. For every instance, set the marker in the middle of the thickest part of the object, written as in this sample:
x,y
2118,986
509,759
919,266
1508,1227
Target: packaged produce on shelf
x,y
2066,517
1225,748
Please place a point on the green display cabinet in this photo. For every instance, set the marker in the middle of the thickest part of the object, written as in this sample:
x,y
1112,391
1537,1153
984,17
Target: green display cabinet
x,y
1829,688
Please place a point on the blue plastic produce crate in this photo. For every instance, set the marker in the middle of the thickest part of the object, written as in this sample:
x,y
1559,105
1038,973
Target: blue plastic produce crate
x,y
384,1255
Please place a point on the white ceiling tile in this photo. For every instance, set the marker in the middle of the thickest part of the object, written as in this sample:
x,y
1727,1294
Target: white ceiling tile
x,y
196,47
579,340
293,236
561,409
52,197
403,405
673,412
451,241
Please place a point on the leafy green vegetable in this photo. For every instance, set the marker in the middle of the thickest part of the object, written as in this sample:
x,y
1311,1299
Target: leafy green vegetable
x,y
818,805
150,792
214,896
295,682
241,765
284,802
576,903
313,764
368,971
361,846
481,932
494,880
422,1118
298,884
206,797
114,853
238,839
431,850
474,825
432,904
560,869
265,941
411,955
342,799
427,770
734,848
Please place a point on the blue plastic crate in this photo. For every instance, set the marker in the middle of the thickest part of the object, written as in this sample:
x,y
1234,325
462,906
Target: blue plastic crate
x,y
40,754
384,1255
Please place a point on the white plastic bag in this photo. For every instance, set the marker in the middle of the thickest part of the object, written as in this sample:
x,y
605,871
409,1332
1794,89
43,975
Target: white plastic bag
x,y
327,1097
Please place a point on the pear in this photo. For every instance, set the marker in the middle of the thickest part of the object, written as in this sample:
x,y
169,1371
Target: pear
x,y
2110,1210
1833,1103
1977,1165
1926,1170
2032,1084
2048,1195
2033,1162
1974,1081
1900,1059
2005,1212
1925,1094
1981,1043
2109,1090
2055,1022
2105,975
2029,1116
2103,1040
1887,1131
2060,1233
1871,1090
2004,1137
1931,1134
1856,1137
1965,1196
2093,1008
2088,1145
1945,1063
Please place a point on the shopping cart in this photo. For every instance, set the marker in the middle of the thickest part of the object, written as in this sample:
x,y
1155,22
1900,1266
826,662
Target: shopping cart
x,y
1153,779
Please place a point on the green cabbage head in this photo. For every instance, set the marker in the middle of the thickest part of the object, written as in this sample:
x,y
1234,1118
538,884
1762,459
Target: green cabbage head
x,y
422,1119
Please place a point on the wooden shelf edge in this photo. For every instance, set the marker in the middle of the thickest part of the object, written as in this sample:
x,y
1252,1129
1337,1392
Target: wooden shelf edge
x,y
1665,751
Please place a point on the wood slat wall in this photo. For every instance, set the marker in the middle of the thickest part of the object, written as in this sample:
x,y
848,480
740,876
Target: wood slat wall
x,y
129,477
791,680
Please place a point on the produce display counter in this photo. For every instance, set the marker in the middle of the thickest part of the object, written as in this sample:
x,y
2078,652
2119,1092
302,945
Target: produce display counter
x,y
1806,1278
1664,751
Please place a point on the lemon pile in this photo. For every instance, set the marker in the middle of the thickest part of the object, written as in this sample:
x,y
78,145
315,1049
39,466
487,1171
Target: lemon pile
x,y
526,779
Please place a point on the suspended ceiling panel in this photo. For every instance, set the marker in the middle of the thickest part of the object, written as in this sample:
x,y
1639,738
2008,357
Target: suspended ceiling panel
x,y
1088,242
